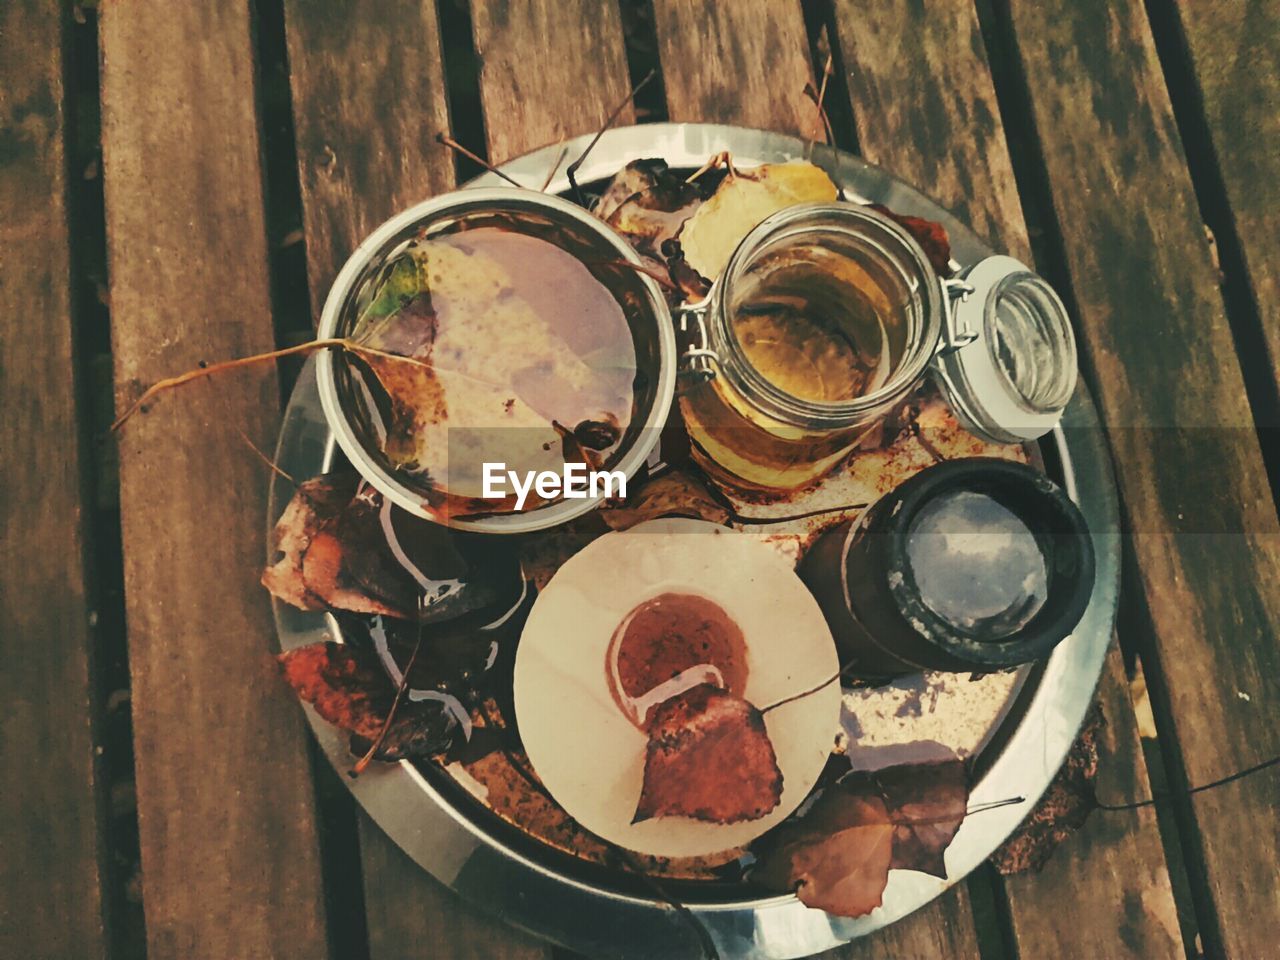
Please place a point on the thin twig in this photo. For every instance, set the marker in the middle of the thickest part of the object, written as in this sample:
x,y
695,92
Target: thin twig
x,y
345,344
766,521
171,382
577,164
1238,775
453,144
265,459
994,805
929,448
812,690
564,148
722,158
364,761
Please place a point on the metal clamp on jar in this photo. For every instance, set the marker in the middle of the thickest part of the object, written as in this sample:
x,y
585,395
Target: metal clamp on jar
x,y
828,315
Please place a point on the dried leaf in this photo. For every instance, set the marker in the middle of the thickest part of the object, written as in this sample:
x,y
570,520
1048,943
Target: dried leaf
x,y
927,803
335,555
309,572
931,236
635,177
836,858
742,201
1062,810
709,758
674,494
841,851
350,690
654,216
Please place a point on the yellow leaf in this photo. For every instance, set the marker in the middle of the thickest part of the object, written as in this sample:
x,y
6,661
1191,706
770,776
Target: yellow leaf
x,y
741,201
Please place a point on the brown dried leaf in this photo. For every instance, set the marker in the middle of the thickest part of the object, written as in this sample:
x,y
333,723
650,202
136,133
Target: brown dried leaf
x,y
841,851
742,200
709,758
931,236
1062,810
836,858
654,216
314,538
635,177
350,690
674,494
927,803
309,571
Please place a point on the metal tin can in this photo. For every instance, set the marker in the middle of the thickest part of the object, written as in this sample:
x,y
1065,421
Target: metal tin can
x,y
648,318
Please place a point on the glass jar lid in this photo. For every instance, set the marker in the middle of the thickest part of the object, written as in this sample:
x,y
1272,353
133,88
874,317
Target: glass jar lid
x,y
1009,368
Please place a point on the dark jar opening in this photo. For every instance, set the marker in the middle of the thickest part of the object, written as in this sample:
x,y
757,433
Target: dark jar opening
x,y
971,565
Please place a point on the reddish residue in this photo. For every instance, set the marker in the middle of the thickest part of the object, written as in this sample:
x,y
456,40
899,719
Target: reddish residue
x,y
667,645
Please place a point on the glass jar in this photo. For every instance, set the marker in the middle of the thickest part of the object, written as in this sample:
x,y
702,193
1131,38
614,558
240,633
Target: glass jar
x,y
828,315
971,565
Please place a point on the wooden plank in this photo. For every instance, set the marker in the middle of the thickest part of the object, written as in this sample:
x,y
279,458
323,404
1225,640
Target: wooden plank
x,y
230,858
1105,891
549,70
367,149
1205,534
943,928
926,108
366,138
1235,59
745,63
50,869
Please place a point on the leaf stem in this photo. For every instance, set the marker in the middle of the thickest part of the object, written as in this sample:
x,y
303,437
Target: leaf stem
x,y
170,383
1221,782
574,167
453,144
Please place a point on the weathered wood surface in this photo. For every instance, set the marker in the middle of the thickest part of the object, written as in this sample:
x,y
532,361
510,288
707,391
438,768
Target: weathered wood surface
x,y
1105,891
926,108
1161,358
549,70
50,870
230,855
367,149
745,63
366,134
230,858
1235,57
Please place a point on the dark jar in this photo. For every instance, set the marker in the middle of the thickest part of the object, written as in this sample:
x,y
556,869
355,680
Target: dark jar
x,y
971,565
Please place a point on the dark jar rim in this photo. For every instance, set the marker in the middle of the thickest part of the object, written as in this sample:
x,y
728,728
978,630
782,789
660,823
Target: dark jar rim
x,y
1040,503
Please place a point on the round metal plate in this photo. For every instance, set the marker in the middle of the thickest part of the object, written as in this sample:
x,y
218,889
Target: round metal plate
x,y
534,893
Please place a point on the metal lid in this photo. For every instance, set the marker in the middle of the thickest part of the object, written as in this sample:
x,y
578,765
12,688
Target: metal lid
x,y
1008,359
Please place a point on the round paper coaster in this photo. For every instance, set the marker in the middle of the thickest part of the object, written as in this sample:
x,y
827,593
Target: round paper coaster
x,y
587,752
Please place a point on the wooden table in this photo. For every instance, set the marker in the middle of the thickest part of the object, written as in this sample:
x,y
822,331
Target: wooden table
x,y
1133,154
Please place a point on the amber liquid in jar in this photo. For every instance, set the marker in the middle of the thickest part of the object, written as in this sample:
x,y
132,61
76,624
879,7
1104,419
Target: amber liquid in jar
x,y
819,323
